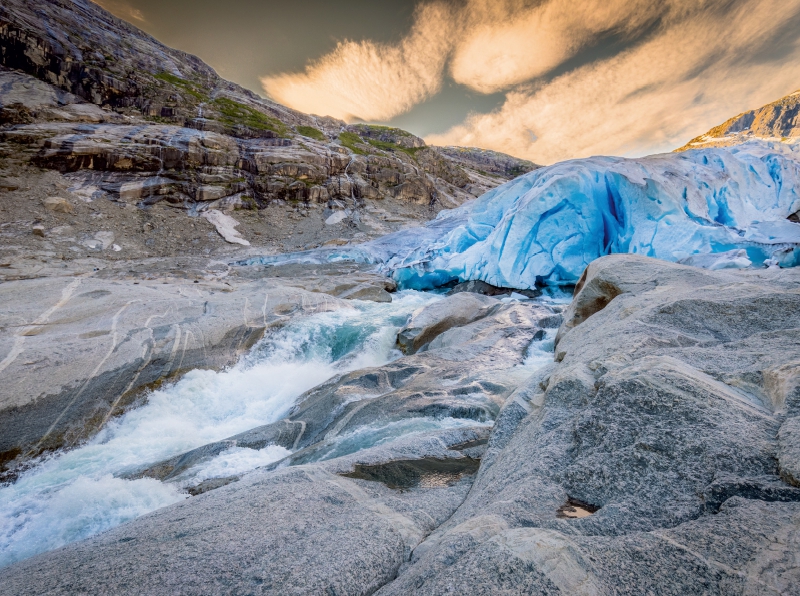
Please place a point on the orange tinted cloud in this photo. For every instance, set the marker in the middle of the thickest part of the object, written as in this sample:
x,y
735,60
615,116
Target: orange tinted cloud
x,y
690,72
653,97
371,81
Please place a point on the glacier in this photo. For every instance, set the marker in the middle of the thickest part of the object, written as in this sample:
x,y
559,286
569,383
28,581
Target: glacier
x,y
714,208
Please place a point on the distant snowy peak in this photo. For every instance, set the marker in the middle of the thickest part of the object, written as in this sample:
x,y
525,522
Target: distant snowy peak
x,y
777,121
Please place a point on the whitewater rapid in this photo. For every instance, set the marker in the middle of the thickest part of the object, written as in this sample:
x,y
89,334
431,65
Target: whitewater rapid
x,y
75,494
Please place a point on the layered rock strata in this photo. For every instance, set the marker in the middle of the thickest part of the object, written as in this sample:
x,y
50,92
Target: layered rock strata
x,y
123,118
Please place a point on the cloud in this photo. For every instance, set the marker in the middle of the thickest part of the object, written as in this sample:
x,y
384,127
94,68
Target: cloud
x,y
692,74
371,81
121,9
508,43
688,65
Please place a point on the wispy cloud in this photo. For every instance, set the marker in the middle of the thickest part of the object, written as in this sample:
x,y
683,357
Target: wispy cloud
x,y
509,42
689,64
122,9
371,81
690,75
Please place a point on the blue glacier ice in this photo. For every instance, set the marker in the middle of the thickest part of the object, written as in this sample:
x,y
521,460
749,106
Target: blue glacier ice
x,y
712,207
719,207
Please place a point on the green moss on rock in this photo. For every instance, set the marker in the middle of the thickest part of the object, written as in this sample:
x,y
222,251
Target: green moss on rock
x,y
351,140
233,113
311,133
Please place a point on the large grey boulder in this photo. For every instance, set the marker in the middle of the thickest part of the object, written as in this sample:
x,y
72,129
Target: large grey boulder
x,y
433,320
660,423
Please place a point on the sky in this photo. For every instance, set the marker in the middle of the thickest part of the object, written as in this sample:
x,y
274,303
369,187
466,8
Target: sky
x,y
545,80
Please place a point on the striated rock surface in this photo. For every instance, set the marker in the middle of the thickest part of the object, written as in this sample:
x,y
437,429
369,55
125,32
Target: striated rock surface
x,y
79,350
650,457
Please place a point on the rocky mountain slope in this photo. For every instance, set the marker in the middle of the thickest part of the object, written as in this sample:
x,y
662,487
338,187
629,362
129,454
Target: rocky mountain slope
x,y
777,121
97,113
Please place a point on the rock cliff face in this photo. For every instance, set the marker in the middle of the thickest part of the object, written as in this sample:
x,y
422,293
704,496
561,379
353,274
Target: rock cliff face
x,y
124,118
655,454
779,120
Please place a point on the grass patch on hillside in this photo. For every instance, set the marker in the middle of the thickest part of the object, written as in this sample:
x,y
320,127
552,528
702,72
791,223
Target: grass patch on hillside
x,y
350,140
386,146
184,85
311,133
233,113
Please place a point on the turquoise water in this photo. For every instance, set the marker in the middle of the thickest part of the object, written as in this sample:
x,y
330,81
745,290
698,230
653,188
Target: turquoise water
x,y
75,494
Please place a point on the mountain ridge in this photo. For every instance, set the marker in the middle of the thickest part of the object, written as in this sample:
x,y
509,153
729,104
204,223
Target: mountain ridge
x,y
777,121
121,116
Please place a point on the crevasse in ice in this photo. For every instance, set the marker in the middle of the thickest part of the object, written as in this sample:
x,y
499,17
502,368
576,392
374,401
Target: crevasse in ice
x,y
722,207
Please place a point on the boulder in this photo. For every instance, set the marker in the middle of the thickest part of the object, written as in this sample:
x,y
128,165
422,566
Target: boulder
x,y
454,311
659,415
58,205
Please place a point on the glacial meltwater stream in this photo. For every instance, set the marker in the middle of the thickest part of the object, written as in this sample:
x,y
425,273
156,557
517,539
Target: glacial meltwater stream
x,y
74,494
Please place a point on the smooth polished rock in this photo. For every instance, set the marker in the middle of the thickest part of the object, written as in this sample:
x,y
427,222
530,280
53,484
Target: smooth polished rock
x,y
431,321
78,350
660,413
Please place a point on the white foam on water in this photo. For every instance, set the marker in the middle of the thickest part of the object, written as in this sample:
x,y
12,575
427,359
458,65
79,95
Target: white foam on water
x,y
74,494
540,352
237,460
34,522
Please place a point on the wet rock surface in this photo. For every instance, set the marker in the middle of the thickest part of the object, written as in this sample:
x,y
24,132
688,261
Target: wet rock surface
x,y
430,322
79,350
653,455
